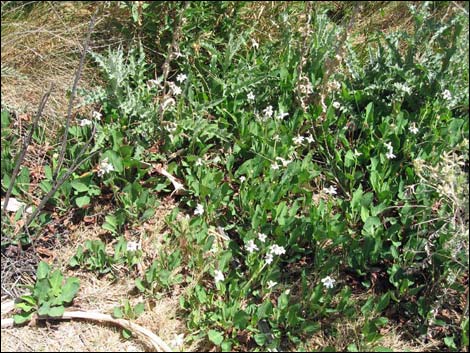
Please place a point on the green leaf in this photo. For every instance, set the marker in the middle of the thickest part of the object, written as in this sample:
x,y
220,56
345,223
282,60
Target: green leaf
x,y
56,311
139,284
352,348
24,306
79,186
383,302
215,337
367,307
44,309
70,289
43,270
260,339
41,290
139,309
56,282
82,201
449,342
117,313
22,318
370,113
126,334
282,301
29,299
226,346
265,310
240,319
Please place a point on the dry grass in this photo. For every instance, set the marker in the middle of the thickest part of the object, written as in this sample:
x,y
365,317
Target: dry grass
x,y
41,46
102,294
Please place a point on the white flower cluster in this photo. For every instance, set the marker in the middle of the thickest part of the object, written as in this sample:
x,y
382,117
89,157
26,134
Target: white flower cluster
x,y
389,154
299,139
402,87
251,246
87,122
413,129
105,167
328,282
284,162
199,210
447,95
268,112
330,190
274,250
218,276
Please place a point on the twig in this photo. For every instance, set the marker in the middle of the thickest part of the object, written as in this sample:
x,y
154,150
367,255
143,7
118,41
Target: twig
x,y
171,50
26,143
72,96
179,188
157,342
59,183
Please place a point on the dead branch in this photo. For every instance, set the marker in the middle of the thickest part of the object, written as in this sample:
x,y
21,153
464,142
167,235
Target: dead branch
x,y
72,96
26,143
153,339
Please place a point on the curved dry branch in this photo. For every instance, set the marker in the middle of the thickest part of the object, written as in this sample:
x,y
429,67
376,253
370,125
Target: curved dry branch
x,y
157,343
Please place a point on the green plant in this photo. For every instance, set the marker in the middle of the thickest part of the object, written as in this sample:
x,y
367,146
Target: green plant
x,y
49,295
126,311
95,258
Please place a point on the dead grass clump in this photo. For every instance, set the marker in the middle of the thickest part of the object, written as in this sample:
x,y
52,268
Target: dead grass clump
x,y
41,46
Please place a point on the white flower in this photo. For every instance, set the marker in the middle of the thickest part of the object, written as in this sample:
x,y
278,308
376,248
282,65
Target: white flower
x,y
96,115
447,95
251,96
285,162
176,90
181,77
310,139
298,139
133,246
274,166
413,129
85,122
330,190
269,258
281,116
262,237
336,105
390,155
178,341
105,167
242,179
271,284
389,146
276,138
268,111
251,246
254,43
277,250
199,210
328,282
402,87
198,162
218,276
